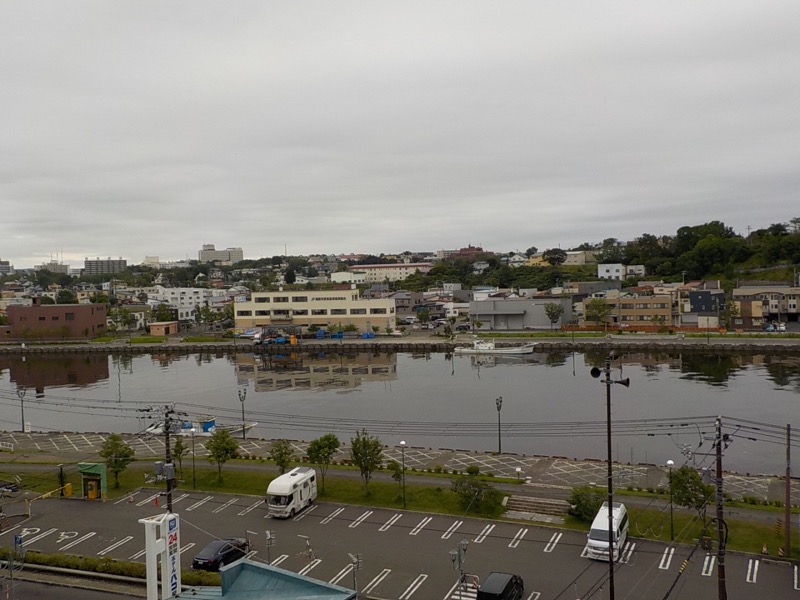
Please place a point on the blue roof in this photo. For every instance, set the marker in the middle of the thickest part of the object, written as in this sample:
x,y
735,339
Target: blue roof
x,y
250,580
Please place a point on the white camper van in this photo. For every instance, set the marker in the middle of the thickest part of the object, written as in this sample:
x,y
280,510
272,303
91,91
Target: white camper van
x,y
597,545
291,492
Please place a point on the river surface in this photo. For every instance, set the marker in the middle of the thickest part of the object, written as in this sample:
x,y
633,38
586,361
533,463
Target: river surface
x,y
551,405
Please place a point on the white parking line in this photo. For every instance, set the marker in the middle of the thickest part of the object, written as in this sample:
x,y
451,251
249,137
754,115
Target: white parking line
x,y
137,555
360,520
341,574
124,540
483,534
627,552
413,587
390,522
10,529
534,595
224,506
666,558
249,508
309,566
40,536
147,500
554,539
446,535
179,498
279,560
708,565
199,503
420,526
518,538
331,516
303,514
752,570
127,497
796,588
78,541
376,580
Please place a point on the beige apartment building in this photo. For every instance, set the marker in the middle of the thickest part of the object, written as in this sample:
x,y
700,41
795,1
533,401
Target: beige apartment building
x,y
323,308
391,272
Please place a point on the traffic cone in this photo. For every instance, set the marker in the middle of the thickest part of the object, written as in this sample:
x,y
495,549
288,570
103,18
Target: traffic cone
x,y
155,503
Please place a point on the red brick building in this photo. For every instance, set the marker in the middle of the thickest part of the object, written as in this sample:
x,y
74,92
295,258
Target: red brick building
x,y
56,321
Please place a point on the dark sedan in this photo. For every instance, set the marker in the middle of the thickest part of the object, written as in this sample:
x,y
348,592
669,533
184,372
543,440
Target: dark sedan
x,y
219,553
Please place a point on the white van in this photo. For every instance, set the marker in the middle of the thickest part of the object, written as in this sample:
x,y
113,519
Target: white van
x,y
597,545
291,492
410,320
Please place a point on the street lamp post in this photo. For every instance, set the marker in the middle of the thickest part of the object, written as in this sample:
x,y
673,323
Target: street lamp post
x,y
403,454
608,382
21,394
670,464
459,556
499,403
194,478
242,398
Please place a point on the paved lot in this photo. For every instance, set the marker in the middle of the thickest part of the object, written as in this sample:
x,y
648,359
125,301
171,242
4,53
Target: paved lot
x,y
538,472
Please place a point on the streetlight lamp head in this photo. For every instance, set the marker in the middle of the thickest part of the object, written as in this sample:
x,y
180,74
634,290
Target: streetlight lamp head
x,y
454,557
595,372
403,443
670,463
499,403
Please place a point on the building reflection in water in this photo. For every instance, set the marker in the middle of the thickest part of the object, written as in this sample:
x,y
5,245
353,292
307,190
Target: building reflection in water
x,y
41,372
317,371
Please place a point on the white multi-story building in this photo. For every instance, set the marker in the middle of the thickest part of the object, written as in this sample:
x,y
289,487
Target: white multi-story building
x,y
392,272
186,300
208,253
323,308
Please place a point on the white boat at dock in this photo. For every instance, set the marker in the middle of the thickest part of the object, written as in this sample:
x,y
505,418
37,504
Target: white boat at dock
x,y
489,347
203,426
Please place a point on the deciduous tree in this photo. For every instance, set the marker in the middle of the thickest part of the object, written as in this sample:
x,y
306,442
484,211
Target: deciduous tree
x,y
118,455
281,454
321,452
366,452
221,448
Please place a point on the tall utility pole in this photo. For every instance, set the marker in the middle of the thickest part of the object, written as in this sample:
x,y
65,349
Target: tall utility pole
x,y
169,470
787,544
723,592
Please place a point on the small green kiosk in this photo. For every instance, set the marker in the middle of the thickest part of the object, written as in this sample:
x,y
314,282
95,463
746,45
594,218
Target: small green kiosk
x,y
94,483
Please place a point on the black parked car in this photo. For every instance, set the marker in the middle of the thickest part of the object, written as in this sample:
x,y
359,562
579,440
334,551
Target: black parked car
x,y
220,553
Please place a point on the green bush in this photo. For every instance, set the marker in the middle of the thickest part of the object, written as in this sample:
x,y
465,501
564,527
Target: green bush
x,y
584,502
473,470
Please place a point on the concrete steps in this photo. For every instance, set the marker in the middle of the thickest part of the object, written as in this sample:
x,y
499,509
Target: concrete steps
x,y
538,506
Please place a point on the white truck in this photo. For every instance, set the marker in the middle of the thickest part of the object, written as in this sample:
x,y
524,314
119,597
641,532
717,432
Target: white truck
x,y
291,492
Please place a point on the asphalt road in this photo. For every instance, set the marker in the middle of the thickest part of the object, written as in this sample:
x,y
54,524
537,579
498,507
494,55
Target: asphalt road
x,y
406,555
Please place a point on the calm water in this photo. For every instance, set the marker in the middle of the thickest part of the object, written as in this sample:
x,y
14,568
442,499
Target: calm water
x,y
551,405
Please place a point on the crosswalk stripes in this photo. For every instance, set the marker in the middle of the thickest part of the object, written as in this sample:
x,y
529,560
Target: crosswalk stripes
x,y
627,552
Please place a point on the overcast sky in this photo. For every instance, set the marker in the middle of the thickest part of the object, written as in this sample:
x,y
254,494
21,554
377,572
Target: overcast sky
x,y
136,128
